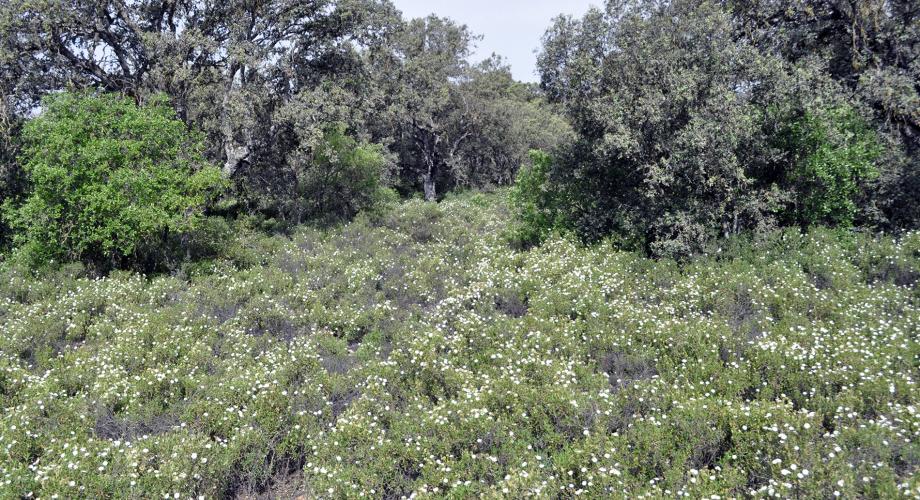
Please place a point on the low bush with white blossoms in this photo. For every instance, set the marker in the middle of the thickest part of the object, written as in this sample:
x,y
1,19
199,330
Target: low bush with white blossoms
x,y
416,353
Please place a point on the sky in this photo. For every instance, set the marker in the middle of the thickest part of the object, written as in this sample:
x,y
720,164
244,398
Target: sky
x,y
511,28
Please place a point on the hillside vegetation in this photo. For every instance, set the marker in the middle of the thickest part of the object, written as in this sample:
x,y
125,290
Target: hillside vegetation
x,y
685,263
415,352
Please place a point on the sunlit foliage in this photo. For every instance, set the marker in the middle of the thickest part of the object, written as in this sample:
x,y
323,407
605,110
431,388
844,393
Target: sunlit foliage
x,y
414,352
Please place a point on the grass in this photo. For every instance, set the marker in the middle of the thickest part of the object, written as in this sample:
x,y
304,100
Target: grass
x,y
415,352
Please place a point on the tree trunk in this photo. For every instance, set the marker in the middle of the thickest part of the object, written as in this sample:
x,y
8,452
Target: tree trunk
x,y
431,193
428,179
235,155
234,152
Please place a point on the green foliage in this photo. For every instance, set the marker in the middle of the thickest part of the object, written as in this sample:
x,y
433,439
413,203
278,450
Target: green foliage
x,y
111,182
835,153
409,352
12,178
666,143
875,61
339,177
455,125
687,133
417,354
237,72
537,205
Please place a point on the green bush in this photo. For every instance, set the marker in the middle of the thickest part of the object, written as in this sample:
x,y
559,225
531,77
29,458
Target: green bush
x,y
686,133
835,154
338,178
537,204
112,183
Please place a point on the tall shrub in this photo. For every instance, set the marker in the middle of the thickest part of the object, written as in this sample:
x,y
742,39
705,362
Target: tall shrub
x,y
112,183
537,204
686,132
835,153
337,177
11,176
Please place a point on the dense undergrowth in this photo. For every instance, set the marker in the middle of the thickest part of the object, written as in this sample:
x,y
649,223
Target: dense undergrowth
x,y
416,352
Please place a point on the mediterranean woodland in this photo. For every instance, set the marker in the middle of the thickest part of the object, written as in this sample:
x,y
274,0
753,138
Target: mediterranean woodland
x,y
257,249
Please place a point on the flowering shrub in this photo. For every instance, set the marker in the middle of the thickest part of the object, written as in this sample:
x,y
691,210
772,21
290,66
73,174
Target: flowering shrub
x,y
374,361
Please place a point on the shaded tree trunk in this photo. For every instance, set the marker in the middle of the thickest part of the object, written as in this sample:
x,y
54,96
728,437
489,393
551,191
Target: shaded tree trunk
x,y
431,193
430,143
234,152
428,178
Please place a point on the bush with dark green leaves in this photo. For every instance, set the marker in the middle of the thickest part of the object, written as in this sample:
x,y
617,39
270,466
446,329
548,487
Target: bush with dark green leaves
x,y
12,180
664,134
686,133
334,178
113,184
870,48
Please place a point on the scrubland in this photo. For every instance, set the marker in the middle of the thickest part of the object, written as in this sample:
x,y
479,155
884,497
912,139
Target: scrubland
x,y
414,352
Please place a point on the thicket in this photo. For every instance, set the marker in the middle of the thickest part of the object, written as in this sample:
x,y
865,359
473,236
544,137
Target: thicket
x,y
833,155
538,206
697,121
12,179
111,183
330,180
314,111
232,303
671,125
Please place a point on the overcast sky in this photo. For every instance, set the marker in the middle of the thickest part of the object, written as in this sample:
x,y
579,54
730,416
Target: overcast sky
x,y
511,28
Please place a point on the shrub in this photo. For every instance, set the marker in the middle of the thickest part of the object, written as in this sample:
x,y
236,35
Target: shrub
x,y
537,204
663,134
835,154
337,178
686,133
113,183
365,359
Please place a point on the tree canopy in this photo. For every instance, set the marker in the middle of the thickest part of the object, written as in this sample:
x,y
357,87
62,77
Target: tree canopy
x,y
698,120
663,125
